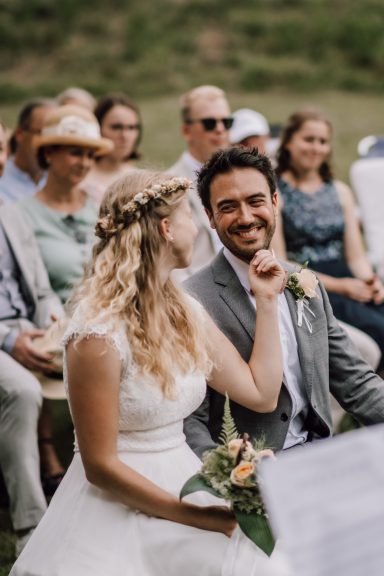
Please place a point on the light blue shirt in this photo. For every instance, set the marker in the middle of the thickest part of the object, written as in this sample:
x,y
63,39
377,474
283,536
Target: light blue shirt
x,y
16,184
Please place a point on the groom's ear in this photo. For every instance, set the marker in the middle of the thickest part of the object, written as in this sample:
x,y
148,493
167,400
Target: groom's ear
x,y
275,202
209,213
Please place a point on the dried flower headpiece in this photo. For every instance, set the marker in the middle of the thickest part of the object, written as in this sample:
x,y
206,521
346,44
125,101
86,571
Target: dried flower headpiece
x,y
133,210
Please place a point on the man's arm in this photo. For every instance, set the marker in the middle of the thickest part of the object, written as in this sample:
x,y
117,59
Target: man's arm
x,y
358,389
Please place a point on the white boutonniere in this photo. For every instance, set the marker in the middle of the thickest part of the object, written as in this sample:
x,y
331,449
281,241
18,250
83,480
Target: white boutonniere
x,y
303,284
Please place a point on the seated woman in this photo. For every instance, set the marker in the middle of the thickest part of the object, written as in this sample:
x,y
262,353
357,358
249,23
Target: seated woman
x,y
319,226
138,351
62,216
120,121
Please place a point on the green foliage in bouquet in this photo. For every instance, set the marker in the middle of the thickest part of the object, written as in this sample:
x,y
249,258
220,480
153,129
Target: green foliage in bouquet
x,y
230,472
228,427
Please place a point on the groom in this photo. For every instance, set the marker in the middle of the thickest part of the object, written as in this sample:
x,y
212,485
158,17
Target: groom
x,y
238,190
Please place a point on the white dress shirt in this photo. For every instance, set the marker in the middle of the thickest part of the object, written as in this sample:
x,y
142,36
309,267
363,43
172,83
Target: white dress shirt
x,y
292,375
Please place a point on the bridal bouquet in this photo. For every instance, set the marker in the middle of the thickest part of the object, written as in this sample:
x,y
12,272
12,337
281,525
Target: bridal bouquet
x,y
230,471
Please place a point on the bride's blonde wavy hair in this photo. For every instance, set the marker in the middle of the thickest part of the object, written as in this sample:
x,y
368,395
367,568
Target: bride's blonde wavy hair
x,y
122,282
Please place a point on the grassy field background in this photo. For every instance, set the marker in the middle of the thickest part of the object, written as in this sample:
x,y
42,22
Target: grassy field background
x,y
151,47
271,55
353,114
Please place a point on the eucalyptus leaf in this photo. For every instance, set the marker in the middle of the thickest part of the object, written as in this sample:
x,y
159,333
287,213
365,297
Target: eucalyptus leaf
x,y
256,527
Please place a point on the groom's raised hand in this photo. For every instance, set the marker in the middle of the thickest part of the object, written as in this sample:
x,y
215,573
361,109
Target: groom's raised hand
x,y
266,275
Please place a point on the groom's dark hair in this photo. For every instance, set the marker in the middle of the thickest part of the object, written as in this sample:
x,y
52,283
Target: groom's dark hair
x,y
225,161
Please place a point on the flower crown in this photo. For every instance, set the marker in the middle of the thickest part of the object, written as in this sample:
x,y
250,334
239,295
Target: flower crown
x,y
133,210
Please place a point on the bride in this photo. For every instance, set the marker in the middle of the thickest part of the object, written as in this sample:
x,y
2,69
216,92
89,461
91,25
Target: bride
x,y
138,352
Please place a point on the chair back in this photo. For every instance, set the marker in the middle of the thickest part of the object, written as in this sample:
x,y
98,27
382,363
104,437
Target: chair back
x,y
367,179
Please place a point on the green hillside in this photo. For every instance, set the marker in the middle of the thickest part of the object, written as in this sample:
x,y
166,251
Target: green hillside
x,y
152,47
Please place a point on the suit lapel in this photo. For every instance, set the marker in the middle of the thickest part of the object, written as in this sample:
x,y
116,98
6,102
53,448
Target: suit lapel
x,y
233,293
304,344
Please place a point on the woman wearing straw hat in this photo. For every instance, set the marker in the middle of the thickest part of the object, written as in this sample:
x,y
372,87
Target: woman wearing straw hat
x,y
61,214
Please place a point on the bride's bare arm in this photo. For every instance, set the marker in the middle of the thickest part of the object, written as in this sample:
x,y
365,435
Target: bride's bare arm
x,y
257,384
94,381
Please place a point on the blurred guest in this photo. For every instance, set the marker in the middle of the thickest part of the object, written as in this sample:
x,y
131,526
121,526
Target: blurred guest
x,y
206,121
27,304
77,96
22,174
120,121
250,129
371,147
3,147
366,177
61,214
319,224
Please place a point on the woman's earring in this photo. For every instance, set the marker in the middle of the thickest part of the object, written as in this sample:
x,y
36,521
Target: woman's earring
x,y
171,238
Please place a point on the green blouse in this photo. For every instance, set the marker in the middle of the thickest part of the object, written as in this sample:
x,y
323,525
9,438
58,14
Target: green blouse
x,y
65,241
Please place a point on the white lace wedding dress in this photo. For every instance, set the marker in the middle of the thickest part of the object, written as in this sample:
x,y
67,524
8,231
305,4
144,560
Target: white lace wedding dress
x,y
85,532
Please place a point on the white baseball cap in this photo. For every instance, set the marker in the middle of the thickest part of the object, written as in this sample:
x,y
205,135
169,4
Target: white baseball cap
x,y
247,123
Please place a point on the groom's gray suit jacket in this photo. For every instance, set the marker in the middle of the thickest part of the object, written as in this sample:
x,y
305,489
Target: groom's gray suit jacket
x,y
329,363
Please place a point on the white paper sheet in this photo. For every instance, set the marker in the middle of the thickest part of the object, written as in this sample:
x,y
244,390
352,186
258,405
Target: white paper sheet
x,y
326,501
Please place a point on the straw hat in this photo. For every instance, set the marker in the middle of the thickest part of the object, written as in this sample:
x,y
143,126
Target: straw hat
x,y
52,384
72,126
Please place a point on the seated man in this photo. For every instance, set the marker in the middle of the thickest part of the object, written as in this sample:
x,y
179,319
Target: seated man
x,y
238,190
206,120
22,174
27,305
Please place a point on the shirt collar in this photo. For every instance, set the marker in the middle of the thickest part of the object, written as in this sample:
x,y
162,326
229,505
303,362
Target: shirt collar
x,y
191,161
17,172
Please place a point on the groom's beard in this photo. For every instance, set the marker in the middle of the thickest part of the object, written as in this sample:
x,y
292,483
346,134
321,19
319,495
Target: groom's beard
x,y
240,249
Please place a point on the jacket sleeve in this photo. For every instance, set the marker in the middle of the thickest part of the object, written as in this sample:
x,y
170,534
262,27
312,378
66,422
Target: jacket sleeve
x,y
196,429
4,331
357,388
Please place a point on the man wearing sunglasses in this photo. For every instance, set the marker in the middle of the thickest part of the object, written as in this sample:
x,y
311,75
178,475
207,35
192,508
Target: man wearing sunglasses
x,y
206,120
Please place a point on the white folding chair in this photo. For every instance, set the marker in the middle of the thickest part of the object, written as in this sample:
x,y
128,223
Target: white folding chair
x,y
367,179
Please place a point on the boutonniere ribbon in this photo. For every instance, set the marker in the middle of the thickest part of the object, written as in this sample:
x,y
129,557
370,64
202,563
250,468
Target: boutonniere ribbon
x,y
303,285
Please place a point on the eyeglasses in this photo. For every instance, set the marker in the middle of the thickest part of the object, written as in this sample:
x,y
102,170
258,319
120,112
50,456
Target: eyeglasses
x,y
33,131
79,235
122,127
210,124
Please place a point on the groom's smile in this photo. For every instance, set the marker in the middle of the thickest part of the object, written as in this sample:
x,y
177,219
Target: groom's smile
x,y
243,211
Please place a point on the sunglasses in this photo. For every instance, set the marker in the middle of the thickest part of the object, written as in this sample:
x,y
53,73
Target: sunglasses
x,y
79,235
122,127
210,124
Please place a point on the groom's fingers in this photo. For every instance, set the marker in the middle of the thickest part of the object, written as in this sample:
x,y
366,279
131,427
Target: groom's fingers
x,y
260,258
267,263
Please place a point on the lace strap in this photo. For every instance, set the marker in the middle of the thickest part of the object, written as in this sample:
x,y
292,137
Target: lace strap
x,y
115,337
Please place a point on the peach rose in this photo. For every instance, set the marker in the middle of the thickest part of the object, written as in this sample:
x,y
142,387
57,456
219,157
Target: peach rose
x,y
242,471
307,281
266,453
234,448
